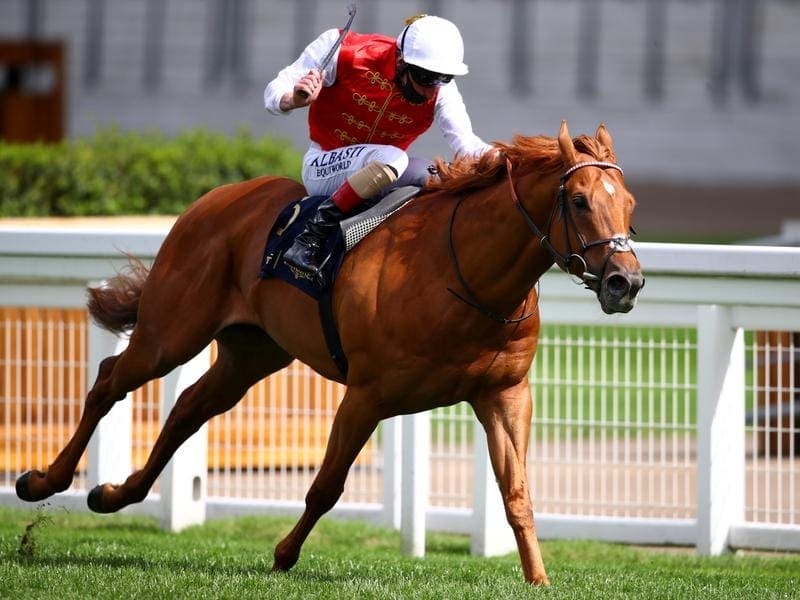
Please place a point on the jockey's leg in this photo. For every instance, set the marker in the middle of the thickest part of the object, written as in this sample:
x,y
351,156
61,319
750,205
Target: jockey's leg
x,y
368,181
417,172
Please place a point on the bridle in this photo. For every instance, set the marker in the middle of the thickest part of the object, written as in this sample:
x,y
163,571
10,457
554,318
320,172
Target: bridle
x,y
616,244
564,261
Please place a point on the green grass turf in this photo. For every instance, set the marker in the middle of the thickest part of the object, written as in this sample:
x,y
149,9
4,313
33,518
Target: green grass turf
x,y
90,556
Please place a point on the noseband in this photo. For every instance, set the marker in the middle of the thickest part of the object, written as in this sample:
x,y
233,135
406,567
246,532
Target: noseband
x,y
616,244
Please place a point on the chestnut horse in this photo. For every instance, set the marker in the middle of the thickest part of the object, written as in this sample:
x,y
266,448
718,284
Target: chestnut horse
x,y
438,305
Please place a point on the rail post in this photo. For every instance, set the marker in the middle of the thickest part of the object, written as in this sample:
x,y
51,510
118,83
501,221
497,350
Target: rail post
x,y
720,428
392,450
183,482
415,481
110,447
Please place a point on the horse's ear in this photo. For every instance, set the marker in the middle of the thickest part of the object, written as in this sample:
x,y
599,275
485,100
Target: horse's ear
x,y
604,137
568,152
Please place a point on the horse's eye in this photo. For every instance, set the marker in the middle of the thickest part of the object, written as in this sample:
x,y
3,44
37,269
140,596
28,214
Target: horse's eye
x,y
580,203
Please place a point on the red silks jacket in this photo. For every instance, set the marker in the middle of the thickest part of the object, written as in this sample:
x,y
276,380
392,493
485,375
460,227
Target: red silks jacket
x,y
364,106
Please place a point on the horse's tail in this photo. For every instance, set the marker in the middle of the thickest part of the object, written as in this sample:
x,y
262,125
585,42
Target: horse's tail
x,y
115,303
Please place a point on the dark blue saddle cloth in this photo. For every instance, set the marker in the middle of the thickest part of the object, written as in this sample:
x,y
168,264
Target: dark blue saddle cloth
x,y
289,225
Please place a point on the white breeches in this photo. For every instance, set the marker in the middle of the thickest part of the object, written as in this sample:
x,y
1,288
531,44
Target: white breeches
x,y
325,171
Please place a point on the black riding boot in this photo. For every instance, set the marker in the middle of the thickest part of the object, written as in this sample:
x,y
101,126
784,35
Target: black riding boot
x,y
303,255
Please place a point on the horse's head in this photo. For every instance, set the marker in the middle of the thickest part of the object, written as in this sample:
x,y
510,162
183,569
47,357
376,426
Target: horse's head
x,y
589,230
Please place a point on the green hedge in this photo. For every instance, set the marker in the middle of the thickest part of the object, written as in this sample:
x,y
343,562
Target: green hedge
x,y
119,172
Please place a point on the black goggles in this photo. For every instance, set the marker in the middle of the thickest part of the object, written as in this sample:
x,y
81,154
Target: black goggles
x,y
428,78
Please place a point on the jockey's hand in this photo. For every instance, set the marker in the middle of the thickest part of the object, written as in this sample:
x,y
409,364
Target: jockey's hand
x,y
305,91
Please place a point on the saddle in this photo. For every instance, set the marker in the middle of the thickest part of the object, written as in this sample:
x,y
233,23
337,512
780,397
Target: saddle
x,y
291,222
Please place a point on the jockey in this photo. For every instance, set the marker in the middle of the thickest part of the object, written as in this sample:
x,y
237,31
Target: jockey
x,y
376,96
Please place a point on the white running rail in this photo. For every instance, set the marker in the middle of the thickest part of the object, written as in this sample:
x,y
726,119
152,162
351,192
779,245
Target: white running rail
x,y
676,423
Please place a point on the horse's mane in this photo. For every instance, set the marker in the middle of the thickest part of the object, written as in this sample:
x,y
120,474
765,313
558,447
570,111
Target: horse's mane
x,y
527,154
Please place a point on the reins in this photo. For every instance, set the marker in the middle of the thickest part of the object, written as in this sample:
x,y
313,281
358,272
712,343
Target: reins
x,y
471,300
564,261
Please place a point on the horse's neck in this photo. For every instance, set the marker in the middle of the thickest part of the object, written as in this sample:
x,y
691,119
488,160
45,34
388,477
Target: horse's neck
x,y
500,256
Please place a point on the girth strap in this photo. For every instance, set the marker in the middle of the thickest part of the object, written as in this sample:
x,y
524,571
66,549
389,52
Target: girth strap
x,y
332,338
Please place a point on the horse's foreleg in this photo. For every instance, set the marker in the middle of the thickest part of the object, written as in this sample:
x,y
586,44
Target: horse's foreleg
x,y
355,421
112,384
245,355
506,417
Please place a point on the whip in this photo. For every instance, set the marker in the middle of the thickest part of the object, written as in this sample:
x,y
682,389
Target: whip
x,y
351,12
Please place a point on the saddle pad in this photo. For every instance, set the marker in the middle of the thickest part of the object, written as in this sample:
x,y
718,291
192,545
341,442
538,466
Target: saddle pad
x,y
289,224
352,230
357,227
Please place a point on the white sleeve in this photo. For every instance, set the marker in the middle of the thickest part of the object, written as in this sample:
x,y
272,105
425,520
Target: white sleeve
x,y
309,59
451,116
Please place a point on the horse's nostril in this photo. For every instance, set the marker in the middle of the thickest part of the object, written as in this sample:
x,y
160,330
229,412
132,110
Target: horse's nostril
x,y
617,285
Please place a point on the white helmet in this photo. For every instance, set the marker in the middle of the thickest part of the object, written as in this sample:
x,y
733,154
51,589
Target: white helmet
x,y
433,44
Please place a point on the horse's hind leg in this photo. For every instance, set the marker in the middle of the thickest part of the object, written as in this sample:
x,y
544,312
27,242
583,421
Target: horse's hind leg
x,y
355,421
158,344
245,355
117,376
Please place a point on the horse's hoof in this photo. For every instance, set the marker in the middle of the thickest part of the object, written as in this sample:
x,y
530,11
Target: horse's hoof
x,y
23,487
284,560
279,567
95,499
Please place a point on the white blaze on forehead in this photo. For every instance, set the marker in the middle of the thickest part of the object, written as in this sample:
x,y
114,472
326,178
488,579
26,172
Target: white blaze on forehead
x,y
609,187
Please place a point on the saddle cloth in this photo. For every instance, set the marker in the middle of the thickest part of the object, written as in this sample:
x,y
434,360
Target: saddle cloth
x,y
291,222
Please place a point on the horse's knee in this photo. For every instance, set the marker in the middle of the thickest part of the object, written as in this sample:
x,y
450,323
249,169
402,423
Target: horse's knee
x,y
519,511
